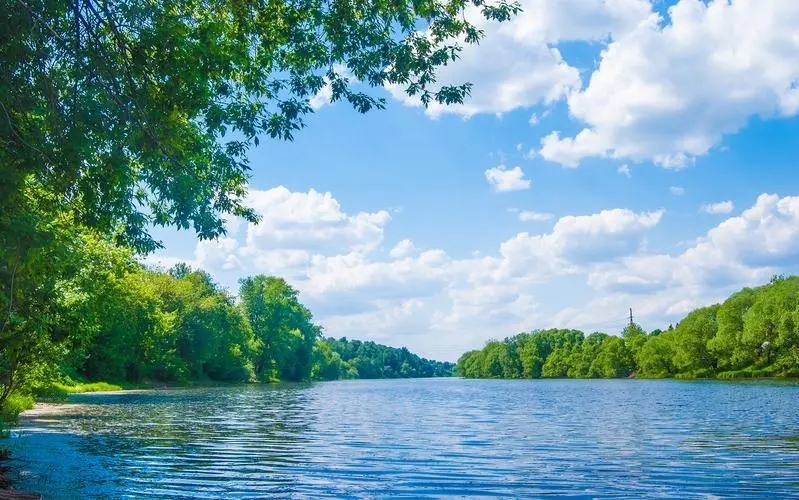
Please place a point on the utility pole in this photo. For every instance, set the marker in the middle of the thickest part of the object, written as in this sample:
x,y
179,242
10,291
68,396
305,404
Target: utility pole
x,y
631,316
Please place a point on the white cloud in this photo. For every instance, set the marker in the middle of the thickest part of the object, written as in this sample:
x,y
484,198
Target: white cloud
x,y
722,207
767,234
669,93
217,254
607,234
504,179
664,89
517,64
311,221
529,215
741,251
677,190
536,118
402,249
624,170
428,299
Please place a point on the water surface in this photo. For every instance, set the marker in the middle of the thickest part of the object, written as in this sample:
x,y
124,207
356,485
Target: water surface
x,y
422,438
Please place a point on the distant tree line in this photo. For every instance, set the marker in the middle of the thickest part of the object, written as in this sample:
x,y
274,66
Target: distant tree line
x,y
754,333
342,359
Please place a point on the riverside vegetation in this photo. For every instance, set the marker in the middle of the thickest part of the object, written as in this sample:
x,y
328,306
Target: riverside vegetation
x,y
136,326
119,117
754,333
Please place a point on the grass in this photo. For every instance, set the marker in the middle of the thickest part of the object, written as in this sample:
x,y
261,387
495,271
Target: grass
x,y
90,387
57,391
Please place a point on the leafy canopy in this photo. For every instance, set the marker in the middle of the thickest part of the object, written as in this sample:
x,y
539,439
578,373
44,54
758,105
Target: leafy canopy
x,y
139,113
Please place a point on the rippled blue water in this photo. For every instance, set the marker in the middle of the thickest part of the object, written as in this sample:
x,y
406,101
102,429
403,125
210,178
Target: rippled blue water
x,y
423,438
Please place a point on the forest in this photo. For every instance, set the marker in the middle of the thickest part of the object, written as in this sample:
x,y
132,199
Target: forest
x,y
121,322
751,334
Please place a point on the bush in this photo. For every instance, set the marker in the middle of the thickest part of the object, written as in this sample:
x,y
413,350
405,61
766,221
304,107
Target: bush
x,y
14,405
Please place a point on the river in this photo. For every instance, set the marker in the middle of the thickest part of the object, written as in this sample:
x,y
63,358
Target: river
x,y
419,439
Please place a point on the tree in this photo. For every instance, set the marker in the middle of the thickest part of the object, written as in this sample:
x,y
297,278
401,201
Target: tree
x,y
634,337
613,360
138,113
727,344
691,338
55,272
282,326
655,357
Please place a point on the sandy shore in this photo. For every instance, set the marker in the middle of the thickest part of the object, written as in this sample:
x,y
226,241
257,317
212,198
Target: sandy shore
x,y
41,410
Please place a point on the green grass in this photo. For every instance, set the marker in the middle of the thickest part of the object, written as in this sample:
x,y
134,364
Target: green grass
x,y
91,387
751,372
59,391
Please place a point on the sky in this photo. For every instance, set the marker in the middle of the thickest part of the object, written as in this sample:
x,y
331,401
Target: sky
x,y
613,154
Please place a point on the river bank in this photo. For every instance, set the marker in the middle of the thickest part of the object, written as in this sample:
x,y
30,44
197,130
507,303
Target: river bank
x,y
45,411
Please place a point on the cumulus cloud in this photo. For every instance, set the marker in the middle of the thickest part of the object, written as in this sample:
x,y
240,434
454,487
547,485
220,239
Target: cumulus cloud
x,y
722,207
426,299
402,249
311,221
677,191
740,251
624,170
669,90
504,179
666,88
518,65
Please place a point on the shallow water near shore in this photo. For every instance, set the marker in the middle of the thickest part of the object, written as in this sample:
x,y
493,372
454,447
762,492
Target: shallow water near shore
x,y
420,438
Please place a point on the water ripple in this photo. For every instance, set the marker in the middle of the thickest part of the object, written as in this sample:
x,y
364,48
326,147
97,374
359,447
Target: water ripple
x,y
418,439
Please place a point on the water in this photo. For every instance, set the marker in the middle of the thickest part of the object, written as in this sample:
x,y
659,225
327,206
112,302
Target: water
x,y
423,438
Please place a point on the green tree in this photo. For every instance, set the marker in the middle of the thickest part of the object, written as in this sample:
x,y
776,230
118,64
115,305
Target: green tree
x,y
691,339
116,117
282,326
634,338
655,359
580,364
727,345
614,359
134,113
328,364
470,364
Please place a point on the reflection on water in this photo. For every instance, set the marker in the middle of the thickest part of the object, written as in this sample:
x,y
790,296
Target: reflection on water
x,y
422,438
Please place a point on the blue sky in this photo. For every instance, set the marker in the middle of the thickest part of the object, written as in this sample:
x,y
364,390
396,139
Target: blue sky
x,y
657,172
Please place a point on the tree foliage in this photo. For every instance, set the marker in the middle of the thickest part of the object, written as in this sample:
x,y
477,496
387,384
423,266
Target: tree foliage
x,y
753,333
343,358
137,113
